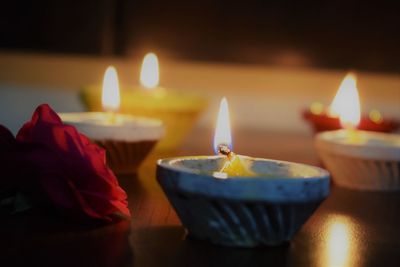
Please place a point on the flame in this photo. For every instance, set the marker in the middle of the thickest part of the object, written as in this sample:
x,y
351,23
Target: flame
x,y
110,98
149,74
223,129
346,103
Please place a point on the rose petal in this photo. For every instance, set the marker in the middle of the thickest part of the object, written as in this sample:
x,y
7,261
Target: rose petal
x,y
72,169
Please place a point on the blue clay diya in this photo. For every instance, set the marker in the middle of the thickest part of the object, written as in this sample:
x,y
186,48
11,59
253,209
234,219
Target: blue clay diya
x,y
267,208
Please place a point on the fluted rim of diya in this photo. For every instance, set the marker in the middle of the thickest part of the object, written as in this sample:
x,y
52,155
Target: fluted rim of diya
x,y
124,127
363,144
166,100
361,160
159,99
275,181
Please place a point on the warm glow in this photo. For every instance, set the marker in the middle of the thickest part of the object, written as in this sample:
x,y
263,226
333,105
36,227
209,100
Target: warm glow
x,y
110,99
375,116
149,74
341,247
346,103
223,129
317,108
338,244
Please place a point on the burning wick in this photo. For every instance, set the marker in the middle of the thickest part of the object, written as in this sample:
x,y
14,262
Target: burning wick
x,y
233,166
112,117
226,151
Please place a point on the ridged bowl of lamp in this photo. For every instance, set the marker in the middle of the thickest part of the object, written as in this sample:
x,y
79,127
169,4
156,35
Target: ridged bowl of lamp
x,y
265,209
361,160
127,140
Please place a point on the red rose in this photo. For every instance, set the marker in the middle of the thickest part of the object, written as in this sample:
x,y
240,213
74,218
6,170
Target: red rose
x,y
69,168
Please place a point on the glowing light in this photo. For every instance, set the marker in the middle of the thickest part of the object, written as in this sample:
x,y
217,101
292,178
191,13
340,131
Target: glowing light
x,y
110,98
342,242
375,116
346,103
223,129
149,74
338,244
317,108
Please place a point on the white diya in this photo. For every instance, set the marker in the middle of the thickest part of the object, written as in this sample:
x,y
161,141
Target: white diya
x,y
359,159
237,200
127,139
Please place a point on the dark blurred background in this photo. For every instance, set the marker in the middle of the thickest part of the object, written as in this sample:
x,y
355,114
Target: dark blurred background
x,y
336,34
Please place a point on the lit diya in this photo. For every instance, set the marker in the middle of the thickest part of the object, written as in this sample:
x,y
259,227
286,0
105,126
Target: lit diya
x,y
237,200
327,119
178,110
360,159
127,139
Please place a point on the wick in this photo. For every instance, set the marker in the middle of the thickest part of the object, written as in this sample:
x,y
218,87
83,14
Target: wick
x,y
226,151
112,118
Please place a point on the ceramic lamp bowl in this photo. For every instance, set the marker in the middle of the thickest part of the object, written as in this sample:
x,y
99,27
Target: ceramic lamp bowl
x,y
127,141
178,111
371,162
242,211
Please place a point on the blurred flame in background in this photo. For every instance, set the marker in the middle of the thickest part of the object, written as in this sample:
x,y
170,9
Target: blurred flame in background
x,y
346,103
110,98
149,73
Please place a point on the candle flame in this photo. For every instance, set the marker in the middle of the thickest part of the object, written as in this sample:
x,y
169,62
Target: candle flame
x,y
223,129
110,97
346,103
149,74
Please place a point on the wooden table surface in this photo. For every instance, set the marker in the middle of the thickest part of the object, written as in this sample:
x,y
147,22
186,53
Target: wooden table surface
x,y
350,228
